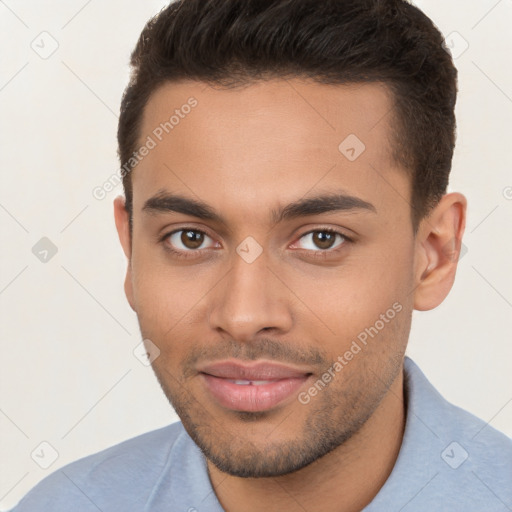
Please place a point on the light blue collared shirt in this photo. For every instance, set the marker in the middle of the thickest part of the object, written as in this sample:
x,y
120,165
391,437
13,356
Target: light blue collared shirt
x,y
449,461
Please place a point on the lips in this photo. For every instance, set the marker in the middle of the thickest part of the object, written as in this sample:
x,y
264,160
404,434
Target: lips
x,y
258,386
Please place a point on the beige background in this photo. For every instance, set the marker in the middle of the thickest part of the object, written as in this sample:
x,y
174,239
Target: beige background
x,y
68,375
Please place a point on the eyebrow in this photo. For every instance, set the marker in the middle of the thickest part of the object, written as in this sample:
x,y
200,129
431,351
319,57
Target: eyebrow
x,y
165,202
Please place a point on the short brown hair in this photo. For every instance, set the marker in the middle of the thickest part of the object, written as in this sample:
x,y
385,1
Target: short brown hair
x,y
235,42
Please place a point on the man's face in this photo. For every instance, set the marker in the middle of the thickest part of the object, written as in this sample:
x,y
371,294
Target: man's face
x,y
254,307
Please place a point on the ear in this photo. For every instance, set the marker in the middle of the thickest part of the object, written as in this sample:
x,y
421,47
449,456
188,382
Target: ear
x,y
438,245
122,219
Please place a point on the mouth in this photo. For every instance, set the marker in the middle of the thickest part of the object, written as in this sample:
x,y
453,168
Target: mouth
x,y
255,387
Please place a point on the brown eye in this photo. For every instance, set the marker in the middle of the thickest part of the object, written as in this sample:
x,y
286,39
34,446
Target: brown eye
x,y
322,240
192,239
186,240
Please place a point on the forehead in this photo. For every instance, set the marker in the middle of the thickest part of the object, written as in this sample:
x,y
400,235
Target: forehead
x,y
271,141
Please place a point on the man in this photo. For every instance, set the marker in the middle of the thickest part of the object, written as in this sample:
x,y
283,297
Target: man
x,y
285,166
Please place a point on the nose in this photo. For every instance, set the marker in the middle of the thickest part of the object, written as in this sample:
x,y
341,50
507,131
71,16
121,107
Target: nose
x,y
249,300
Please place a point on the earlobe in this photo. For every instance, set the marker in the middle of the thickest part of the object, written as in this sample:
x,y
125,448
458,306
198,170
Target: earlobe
x,y
122,220
438,245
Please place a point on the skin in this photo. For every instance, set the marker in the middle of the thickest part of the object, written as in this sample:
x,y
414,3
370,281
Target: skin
x,y
303,301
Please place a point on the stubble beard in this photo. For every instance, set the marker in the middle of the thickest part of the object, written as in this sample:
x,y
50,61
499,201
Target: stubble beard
x,y
336,416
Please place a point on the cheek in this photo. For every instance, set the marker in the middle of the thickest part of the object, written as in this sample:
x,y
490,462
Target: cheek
x,y
328,303
383,273
170,301
356,292
344,304
158,297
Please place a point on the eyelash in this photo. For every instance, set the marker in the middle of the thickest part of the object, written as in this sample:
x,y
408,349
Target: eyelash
x,y
193,253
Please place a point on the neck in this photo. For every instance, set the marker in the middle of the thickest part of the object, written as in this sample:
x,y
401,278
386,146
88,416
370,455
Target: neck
x,y
346,479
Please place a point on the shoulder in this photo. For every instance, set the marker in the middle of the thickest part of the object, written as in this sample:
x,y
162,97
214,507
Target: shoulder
x,y
478,455
451,420
118,478
472,460
449,458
